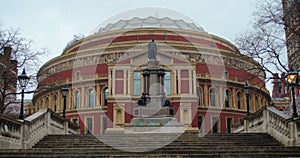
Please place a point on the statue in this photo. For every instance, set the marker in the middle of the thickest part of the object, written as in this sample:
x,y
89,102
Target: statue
x,y
152,50
143,100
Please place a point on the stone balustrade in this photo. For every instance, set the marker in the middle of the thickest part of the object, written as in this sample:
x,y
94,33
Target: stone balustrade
x,y
269,120
23,134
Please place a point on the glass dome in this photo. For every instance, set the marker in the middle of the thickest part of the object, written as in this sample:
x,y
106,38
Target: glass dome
x,y
150,22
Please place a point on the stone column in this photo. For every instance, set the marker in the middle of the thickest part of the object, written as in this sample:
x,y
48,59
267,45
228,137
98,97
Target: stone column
x,y
179,81
190,79
161,82
206,95
98,94
146,75
113,80
221,97
124,82
59,101
109,81
129,82
194,81
69,99
82,97
233,98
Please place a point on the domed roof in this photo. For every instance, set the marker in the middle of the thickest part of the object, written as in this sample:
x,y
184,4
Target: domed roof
x,y
150,22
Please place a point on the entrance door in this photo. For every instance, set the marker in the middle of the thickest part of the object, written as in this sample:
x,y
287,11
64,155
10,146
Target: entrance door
x,y
215,124
200,120
229,123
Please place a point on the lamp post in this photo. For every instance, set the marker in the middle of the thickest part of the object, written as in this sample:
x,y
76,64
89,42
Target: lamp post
x,y
64,92
292,78
23,81
246,90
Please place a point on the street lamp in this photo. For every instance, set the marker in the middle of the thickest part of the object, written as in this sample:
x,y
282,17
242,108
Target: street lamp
x,y
292,78
246,90
64,92
23,81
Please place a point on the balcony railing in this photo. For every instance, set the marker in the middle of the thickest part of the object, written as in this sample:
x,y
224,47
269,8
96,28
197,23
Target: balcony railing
x,y
23,134
281,126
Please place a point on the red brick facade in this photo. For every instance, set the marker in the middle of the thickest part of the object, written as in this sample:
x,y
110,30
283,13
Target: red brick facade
x,y
199,67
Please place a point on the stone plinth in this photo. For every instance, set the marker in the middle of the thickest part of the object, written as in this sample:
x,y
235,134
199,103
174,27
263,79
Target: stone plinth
x,y
141,111
154,125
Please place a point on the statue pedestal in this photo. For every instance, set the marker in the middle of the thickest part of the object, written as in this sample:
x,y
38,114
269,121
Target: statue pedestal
x,y
154,125
154,113
154,118
142,111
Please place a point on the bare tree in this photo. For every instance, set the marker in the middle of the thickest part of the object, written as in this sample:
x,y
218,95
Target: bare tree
x,y
265,42
16,53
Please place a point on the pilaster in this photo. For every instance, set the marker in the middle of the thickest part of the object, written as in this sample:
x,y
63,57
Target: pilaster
x,y
98,94
205,98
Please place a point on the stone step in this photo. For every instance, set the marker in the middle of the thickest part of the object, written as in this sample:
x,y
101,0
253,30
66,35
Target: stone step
x,y
157,145
123,154
161,150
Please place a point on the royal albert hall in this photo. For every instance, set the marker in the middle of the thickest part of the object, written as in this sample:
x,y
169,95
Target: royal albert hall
x,y
204,76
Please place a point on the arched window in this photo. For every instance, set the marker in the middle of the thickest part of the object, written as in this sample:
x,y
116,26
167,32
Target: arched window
x,y
77,75
226,98
54,103
239,100
77,99
91,98
212,97
105,92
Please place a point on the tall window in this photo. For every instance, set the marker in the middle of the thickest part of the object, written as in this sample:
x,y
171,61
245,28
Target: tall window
x,y
91,97
89,125
239,100
77,99
136,83
167,83
212,97
226,98
54,103
105,95
200,121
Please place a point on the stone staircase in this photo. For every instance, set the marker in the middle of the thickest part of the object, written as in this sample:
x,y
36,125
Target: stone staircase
x,y
157,145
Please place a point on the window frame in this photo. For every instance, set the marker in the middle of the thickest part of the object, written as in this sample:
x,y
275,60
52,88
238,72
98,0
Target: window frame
x,y
91,101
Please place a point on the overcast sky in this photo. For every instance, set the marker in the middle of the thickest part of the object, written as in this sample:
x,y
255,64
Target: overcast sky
x,y
52,23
